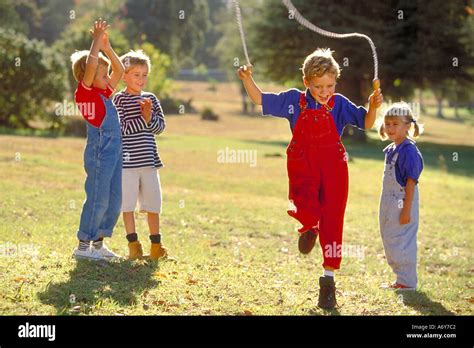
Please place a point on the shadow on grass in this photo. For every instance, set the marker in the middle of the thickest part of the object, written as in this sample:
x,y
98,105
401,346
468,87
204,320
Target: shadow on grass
x,y
452,159
325,312
92,282
420,302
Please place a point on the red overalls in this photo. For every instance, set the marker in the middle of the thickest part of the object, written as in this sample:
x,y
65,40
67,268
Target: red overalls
x,y
318,178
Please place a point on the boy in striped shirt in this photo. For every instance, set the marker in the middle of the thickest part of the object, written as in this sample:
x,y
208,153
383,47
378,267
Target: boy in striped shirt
x,y
141,118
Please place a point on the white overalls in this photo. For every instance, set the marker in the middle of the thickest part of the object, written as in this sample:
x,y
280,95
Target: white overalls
x,y
399,241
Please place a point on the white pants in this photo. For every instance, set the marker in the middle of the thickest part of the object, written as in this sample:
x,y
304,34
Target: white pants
x,y
142,184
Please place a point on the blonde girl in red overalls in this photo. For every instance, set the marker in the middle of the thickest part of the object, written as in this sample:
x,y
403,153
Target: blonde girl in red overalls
x,y
316,157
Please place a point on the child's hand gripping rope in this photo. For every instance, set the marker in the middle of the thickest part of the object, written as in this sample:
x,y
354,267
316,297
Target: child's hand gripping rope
x,y
376,98
245,72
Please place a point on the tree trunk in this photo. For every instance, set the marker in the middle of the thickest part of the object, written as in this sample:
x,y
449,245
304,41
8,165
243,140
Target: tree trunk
x,y
439,113
421,101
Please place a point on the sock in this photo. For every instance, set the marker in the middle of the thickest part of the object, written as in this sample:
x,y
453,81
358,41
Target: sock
x,y
328,273
132,237
83,245
98,243
155,238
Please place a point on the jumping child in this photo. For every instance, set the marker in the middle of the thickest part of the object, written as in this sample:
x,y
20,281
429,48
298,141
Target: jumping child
x,y
316,157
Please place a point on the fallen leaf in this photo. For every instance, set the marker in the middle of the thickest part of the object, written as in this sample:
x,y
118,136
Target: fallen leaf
x,y
192,281
248,312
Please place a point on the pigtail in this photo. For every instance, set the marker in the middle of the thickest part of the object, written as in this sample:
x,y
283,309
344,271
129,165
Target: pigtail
x,y
417,129
416,132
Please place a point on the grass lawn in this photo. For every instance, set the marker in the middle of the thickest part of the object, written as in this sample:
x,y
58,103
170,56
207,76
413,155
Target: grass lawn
x,y
227,226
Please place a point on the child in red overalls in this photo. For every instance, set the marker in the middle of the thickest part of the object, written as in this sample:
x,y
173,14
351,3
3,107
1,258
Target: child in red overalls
x,y
316,157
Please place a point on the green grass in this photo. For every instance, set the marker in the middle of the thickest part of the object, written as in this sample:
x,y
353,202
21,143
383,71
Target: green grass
x,y
227,226
235,245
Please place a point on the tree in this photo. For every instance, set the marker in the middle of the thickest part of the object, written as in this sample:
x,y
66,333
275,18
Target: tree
x,y
176,27
205,53
9,17
444,49
32,78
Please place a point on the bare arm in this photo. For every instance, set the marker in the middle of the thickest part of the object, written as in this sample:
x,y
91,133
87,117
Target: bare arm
x,y
375,100
253,91
92,59
117,66
407,203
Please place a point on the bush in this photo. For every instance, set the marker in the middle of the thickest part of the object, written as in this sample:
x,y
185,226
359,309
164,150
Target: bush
x,y
177,106
208,115
33,77
76,127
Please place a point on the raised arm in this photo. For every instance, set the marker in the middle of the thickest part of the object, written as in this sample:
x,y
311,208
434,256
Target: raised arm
x,y
117,66
253,91
92,59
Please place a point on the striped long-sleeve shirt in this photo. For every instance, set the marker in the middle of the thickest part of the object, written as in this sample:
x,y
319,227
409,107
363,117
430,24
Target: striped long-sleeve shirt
x,y
138,137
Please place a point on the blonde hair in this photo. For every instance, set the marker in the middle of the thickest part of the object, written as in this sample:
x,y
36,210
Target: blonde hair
x,y
320,62
78,60
133,58
402,110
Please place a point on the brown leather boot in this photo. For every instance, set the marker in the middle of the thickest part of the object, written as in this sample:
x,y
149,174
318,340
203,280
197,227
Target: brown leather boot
x,y
307,240
135,250
327,293
157,251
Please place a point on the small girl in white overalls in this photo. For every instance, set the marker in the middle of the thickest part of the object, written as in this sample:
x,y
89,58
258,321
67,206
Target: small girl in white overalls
x,y
398,215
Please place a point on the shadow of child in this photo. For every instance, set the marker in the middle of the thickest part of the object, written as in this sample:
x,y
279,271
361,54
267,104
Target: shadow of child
x,y
420,302
90,283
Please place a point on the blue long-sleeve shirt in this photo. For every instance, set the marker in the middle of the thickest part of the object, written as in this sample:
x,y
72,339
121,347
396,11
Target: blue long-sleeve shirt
x,y
287,105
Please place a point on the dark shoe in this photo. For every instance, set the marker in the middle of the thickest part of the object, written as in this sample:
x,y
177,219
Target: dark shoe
x,y
307,240
327,293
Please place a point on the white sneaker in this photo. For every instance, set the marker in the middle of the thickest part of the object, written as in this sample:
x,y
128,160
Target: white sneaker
x,y
105,253
88,254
